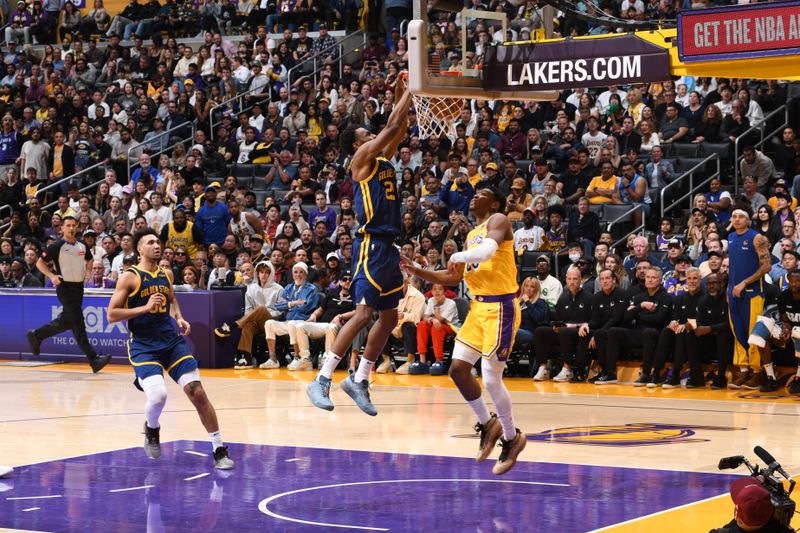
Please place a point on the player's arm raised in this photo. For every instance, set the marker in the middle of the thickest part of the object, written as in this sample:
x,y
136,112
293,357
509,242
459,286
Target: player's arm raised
x,y
385,143
498,229
445,277
117,312
175,309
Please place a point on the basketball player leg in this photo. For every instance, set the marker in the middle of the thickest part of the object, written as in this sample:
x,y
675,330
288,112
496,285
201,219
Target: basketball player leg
x,y
190,382
319,389
184,370
357,386
513,441
155,391
488,426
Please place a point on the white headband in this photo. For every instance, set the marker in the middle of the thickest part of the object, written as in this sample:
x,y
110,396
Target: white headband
x,y
741,212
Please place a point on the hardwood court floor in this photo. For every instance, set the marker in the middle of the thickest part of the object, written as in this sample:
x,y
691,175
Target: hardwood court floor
x,y
636,439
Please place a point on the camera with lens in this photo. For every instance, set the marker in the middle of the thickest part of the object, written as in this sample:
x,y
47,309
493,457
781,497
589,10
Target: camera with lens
x,y
780,507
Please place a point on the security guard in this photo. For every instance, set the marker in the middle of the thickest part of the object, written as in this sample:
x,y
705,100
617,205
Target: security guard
x,y
72,260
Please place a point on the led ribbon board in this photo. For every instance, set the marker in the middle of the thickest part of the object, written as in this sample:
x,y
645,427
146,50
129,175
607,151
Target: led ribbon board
x,y
750,31
571,63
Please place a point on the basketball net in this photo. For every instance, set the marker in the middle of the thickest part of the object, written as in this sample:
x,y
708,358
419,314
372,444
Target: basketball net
x,y
436,115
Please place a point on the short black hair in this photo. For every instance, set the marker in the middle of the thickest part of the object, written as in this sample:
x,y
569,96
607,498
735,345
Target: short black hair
x,y
139,235
347,139
499,197
557,209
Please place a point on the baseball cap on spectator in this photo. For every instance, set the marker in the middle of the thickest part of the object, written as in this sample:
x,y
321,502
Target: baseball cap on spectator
x,y
324,98
395,30
698,210
544,258
257,237
301,130
127,189
781,183
323,26
214,185
684,259
491,166
753,502
90,231
332,255
675,242
518,184
536,149
254,64
585,259
784,195
294,90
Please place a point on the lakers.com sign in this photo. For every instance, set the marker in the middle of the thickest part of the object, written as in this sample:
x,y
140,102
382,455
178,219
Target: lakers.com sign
x,y
574,63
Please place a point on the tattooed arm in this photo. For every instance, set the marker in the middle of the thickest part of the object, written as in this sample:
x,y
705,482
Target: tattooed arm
x,y
764,265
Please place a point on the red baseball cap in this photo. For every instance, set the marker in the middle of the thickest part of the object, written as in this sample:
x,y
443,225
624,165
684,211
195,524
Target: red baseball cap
x,y
753,503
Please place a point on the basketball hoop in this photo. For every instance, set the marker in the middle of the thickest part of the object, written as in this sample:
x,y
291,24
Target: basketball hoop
x,y
437,115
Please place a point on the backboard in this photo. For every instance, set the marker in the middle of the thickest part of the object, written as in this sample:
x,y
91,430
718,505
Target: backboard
x,y
447,37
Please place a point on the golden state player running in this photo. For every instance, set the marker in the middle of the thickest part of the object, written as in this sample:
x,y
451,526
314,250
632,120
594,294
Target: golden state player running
x,y
144,297
487,265
377,281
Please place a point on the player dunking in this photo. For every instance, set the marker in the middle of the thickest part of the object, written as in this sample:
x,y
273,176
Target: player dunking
x,y
377,280
487,265
144,297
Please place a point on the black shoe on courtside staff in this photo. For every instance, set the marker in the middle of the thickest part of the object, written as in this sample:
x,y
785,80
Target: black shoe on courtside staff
x,y
35,343
99,362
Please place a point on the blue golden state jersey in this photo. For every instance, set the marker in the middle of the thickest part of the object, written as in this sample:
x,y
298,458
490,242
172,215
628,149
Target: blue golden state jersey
x,y
743,258
376,202
158,320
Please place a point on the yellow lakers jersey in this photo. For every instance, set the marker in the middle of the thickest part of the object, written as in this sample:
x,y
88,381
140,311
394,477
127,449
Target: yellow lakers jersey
x,y
183,238
494,276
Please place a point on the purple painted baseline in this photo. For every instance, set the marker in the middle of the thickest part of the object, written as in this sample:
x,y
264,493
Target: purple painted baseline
x,y
596,496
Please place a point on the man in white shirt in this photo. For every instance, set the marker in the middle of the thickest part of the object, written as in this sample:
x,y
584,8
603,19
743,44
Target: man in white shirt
x,y
160,215
182,67
97,101
528,237
551,287
593,139
240,72
114,188
602,98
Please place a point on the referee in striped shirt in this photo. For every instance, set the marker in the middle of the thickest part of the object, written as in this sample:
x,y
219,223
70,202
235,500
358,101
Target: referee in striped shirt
x,y
72,260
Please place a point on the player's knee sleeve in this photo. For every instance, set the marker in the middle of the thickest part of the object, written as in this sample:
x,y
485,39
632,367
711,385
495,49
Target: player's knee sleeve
x,y
492,373
155,390
188,377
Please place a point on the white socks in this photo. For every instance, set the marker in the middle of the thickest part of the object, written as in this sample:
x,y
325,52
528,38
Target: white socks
x,y
769,368
216,440
364,368
331,362
478,406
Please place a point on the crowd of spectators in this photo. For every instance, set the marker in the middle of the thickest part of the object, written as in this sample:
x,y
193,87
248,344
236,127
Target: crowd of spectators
x,y
118,133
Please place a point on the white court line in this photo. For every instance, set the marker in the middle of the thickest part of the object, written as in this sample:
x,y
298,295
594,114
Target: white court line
x,y
133,488
33,497
292,460
31,509
612,526
263,506
195,453
198,476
